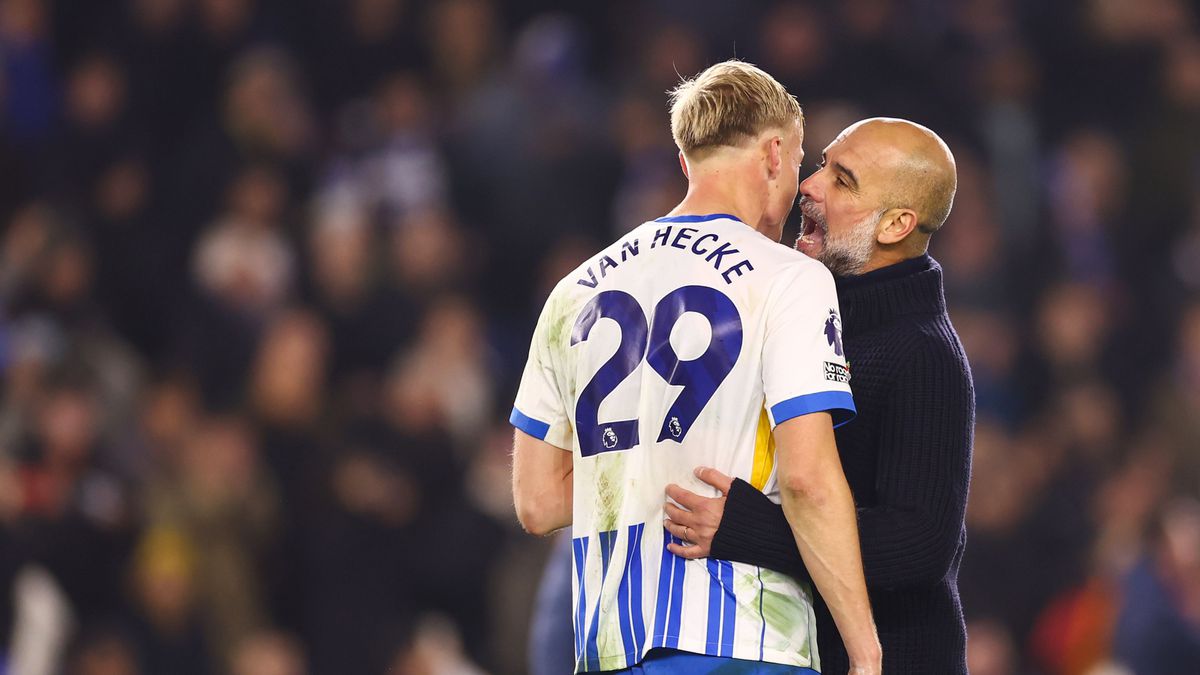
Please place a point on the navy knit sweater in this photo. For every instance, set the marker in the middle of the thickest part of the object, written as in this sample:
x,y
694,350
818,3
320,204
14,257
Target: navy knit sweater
x,y
907,457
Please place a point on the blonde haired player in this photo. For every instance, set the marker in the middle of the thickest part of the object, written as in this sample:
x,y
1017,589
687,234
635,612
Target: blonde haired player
x,y
696,339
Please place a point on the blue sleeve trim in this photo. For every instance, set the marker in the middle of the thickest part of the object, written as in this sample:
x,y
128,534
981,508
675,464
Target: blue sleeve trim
x,y
839,404
535,428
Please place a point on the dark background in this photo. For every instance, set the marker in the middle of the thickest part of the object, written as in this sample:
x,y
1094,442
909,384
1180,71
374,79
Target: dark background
x,y
268,270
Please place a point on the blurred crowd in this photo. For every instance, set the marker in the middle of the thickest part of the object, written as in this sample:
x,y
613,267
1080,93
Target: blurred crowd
x,y
268,269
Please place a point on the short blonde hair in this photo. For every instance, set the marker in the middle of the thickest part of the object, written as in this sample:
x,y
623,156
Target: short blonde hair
x,y
727,104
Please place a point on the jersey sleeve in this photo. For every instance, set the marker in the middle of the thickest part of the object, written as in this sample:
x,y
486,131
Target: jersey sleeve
x,y
539,409
804,364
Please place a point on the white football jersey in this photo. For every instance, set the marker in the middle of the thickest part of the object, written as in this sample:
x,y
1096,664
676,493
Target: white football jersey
x,y
680,345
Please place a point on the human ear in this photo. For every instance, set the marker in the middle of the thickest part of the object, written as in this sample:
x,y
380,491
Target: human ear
x,y
896,225
774,155
683,165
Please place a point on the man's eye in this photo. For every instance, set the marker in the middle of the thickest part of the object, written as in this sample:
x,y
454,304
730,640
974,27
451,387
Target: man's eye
x,y
842,181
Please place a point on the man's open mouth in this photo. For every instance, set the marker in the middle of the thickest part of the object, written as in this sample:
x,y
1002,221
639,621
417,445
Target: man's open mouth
x,y
812,235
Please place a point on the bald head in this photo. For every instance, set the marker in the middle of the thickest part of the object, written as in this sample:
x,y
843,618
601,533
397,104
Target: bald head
x,y
883,188
919,165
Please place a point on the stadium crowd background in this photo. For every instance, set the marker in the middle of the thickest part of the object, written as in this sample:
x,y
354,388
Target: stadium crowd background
x,y
268,270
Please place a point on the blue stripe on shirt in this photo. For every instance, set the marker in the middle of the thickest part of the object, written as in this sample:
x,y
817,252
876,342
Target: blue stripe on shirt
x,y
624,621
696,219
675,611
639,622
664,593
729,617
579,550
715,596
840,404
536,428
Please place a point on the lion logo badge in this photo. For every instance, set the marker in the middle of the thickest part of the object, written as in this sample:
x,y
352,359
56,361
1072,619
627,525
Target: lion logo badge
x,y
609,438
833,331
675,427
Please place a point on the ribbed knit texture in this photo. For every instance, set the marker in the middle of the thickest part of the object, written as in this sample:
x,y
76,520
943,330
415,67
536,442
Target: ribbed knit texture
x,y
907,457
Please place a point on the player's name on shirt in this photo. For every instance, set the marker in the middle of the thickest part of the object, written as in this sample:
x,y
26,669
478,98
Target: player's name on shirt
x,y
726,259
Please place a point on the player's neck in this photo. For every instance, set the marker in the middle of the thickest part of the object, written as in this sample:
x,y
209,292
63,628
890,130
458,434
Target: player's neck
x,y
713,192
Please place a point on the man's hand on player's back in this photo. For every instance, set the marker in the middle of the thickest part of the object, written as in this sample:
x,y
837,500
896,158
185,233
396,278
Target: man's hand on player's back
x,y
698,520
822,518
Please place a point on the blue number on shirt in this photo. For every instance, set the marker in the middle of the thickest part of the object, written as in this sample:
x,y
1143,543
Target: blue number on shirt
x,y
699,377
623,434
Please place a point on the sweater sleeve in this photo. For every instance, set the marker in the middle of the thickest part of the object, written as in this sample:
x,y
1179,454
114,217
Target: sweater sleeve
x,y
754,530
911,534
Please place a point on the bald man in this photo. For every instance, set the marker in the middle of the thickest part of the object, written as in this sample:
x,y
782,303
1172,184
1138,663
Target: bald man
x,y
884,187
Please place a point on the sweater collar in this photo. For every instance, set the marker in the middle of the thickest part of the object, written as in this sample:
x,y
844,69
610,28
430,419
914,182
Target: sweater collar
x,y
912,286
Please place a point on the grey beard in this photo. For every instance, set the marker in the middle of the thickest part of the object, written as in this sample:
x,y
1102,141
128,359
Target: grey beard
x,y
848,255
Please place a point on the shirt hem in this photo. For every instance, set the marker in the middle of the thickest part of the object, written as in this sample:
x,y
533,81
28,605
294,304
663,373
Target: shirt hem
x,y
771,656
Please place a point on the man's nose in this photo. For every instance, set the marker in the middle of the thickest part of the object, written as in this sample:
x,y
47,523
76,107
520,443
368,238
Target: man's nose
x,y
809,187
